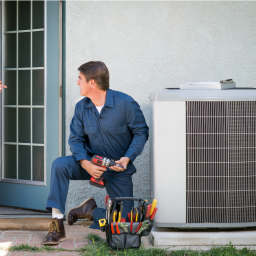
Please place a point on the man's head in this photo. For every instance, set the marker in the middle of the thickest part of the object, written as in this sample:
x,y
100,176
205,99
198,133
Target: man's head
x,y
95,72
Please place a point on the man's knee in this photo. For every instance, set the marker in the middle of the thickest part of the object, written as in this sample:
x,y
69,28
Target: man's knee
x,y
59,165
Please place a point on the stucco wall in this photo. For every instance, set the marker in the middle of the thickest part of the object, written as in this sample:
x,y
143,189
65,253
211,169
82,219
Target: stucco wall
x,y
148,46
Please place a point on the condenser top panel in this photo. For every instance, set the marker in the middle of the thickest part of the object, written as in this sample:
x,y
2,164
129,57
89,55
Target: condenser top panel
x,y
175,94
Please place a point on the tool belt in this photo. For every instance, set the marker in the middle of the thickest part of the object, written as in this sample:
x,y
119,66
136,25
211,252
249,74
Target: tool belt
x,y
127,233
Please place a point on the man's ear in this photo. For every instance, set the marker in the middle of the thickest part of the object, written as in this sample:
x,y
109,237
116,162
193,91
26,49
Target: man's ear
x,y
92,83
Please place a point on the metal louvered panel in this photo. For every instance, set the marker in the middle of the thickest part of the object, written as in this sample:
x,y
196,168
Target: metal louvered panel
x,y
221,162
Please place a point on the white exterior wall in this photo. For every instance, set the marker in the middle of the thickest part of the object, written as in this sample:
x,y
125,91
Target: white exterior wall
x,y
148,46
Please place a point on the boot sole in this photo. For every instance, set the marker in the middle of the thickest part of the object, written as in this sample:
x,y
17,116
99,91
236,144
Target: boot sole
x,y
52,243
77,208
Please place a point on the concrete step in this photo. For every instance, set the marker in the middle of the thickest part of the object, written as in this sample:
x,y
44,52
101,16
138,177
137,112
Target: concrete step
x,y
202,240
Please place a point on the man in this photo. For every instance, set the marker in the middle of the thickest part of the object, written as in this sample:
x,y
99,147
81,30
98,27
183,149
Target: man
x,y
106,123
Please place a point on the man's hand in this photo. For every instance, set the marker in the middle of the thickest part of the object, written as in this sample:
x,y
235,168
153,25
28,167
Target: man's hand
x,y
1,85
94,170
123,161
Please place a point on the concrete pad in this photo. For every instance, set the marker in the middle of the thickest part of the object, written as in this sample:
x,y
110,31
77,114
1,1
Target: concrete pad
x,y
198,240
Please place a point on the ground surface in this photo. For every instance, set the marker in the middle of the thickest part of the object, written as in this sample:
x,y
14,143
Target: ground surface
x,y
76,237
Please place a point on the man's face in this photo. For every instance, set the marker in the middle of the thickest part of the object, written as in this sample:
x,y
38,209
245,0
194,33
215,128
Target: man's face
x,y
85,87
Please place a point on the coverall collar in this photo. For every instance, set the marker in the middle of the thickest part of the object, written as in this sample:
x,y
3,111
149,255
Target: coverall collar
x,y
109,100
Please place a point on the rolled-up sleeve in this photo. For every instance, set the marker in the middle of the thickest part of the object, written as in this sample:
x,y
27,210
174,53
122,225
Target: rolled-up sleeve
x,y
138,127
77,138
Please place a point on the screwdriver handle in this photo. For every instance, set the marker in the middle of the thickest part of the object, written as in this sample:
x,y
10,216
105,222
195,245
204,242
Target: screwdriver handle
x,y
154,203
153,214
138,228
148,211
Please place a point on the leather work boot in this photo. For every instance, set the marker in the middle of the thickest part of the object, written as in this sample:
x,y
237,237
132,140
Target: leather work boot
x,y
56,232
83,211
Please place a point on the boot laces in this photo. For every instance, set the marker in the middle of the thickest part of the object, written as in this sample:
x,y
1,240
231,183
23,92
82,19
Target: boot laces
x,y
54,226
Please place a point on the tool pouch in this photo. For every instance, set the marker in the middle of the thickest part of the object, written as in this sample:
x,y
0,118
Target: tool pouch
x,y
147,231
124,240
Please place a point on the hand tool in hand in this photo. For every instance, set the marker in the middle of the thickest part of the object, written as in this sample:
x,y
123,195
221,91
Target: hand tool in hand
x,y
102,222
117,229
112,228
153,214
120,212
145,225
148,211
153,206
114,216
103,162
124,226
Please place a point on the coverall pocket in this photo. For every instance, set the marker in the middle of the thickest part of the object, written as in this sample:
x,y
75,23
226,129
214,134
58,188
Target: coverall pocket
x,y
92,133
117,130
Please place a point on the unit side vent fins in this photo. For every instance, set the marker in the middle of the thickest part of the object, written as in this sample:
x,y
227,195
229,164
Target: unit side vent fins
x,y
221,156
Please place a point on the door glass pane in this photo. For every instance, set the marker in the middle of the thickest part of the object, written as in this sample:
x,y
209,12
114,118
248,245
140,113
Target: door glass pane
x,y
10,94
38,49
38,163
38,125
24,125
10,124
38,14
24,87
24,15
24,100
10,52
24,163
38,87
10,161
10,19
24,50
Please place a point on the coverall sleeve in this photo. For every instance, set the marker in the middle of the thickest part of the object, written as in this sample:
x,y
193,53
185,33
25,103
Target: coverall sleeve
x,y
77,138
137,125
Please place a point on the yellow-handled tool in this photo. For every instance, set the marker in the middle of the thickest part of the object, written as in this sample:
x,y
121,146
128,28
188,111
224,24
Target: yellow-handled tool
x,y
154,203
102,222
114,216
120,212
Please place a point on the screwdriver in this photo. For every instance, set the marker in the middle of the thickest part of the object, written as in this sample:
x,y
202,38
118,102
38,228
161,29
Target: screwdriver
x,y
154,203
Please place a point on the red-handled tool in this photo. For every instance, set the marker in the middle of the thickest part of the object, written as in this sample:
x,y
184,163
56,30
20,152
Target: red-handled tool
x,y
106,206
131,226
153,214
138,228
117,229
129,216
112,228
148,211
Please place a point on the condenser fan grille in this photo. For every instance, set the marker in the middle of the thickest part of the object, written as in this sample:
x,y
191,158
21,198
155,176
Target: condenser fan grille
x,y
221,156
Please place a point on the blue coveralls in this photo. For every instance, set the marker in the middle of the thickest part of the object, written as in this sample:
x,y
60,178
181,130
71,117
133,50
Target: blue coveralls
x,y
119,130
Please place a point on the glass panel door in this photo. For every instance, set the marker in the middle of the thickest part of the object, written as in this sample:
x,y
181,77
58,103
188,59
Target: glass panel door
x,y
24,101
30,104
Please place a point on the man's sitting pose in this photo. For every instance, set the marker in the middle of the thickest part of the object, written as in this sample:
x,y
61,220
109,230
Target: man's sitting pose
x,y
106,123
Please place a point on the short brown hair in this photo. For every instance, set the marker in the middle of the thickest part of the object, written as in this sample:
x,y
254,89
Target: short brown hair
x,y
98,71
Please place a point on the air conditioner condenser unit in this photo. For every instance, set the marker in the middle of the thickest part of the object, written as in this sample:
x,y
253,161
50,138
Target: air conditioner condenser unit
x,y
203,149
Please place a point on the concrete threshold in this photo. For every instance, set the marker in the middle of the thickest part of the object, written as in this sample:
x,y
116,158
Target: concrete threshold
x,y
202,240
